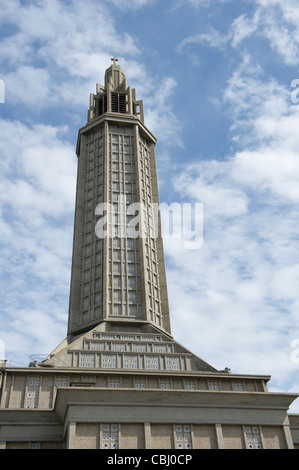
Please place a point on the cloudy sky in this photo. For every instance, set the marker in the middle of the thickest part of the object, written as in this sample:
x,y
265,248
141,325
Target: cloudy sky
x,y
220,84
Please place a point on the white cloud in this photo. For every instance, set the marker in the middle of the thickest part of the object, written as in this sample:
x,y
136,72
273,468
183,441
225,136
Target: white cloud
x,y
28,85
213,38
273,171
38,173
275,20
242,285
32,156
62,46
197,3
130,4
221,198
243,27
159,116
62,59
258,104
278,22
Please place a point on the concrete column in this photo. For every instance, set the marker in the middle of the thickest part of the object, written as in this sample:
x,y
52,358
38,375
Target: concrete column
x,y
108,91
3,381
71,434
10,389
147,435
219,436
130,106
288,436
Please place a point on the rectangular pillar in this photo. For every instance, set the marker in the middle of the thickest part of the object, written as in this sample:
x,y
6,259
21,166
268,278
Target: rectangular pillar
x,y
71,434
147,435
219,436
288,436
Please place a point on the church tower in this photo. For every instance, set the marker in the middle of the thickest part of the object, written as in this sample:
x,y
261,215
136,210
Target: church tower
x,y
118,278
119,379
118,275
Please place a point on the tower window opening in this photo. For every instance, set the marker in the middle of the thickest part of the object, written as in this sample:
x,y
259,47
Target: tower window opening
x,y
118,103
101,105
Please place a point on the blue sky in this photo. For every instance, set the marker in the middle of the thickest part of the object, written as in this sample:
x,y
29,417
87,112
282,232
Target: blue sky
x,y
216,79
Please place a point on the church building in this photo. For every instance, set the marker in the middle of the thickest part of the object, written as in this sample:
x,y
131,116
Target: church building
x,y
120,380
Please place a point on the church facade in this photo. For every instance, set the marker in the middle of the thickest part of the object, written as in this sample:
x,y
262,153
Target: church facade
x,y
120,380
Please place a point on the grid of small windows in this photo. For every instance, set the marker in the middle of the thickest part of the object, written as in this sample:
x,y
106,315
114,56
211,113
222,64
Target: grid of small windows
x,y
118,346
130,361
130,351
96,346
132,310
87,360
109,361
88,379
150,233
62,381
253,437
139,383
158,348
91,293
165,383
33,391
138,347
214,385
238,386
182,436
114,382
151,362
124,282
189,385
110,436
173,363
117,310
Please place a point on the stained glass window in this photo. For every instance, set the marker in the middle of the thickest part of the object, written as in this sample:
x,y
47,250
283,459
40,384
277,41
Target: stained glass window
x,y
33,388
110,436
253,437
182,436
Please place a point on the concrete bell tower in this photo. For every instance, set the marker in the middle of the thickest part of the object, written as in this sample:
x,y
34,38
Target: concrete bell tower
x,y
120,277
119,380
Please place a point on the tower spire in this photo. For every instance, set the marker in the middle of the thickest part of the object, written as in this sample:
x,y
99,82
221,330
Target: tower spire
x,y
115,97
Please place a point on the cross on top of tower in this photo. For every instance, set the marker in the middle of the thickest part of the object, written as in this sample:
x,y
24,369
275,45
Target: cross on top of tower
x,y
114,60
